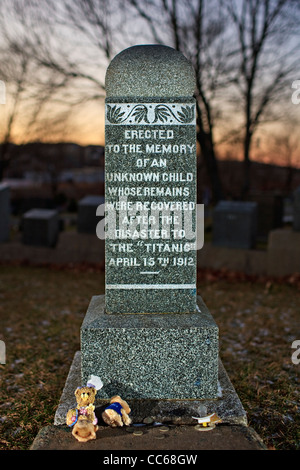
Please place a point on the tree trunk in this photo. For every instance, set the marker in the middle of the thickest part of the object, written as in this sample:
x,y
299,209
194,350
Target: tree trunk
x,y
247,165
3,160
211,164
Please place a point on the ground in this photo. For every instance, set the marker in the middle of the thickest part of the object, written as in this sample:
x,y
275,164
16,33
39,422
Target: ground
x,y
41,311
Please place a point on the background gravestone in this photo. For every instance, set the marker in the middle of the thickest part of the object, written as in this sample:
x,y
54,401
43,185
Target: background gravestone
x,y
235,224
4,212
149,338
269,212
296,210
87,219
40,227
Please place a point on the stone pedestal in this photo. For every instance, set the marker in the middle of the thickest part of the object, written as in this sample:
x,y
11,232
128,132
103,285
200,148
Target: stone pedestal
x,y
173,356
40,227
227,405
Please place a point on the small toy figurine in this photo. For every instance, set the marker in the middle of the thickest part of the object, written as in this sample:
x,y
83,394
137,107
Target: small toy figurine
x,y
208,421
116,414
83,418
84,430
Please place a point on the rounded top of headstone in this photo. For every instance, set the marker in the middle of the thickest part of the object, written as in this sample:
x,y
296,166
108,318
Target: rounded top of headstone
x,y
150,71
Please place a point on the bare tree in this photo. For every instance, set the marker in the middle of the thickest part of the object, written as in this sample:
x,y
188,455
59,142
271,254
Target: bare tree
x,y
196,28
95,30
71,38
20,76
266,59
67,46
26,114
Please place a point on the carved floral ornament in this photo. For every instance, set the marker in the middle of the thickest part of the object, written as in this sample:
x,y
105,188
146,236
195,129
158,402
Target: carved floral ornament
x,y
150,113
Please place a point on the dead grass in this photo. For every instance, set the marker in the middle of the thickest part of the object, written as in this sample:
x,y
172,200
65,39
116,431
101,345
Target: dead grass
x,y
258,321
41,311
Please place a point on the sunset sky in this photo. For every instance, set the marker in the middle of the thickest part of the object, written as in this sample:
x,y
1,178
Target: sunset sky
x,y
86,127
276,140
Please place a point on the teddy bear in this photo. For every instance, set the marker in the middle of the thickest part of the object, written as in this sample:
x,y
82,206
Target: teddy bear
x,y
84,430
116,414
83,418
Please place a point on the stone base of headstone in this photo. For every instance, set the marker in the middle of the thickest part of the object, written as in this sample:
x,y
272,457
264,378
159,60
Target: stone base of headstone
x,y
167,356
40,227
227,405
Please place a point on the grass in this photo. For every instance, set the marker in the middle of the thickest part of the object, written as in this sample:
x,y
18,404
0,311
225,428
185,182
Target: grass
x,y
41,311
258,321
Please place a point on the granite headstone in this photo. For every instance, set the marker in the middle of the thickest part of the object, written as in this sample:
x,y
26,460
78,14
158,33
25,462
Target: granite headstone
x,y
87,218
235,224
4,212
40,227
269,212
296,210
150,182
149,336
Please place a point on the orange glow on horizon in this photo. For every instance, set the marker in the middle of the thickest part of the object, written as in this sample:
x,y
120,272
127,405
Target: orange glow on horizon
x,y
85,133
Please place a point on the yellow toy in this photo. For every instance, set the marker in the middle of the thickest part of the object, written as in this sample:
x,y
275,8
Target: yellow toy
x,y
83,418
116,414
208,421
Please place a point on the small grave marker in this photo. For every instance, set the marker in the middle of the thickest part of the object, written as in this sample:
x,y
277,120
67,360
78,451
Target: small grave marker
x,y
87,218
4,212
40,227
296,210
235,224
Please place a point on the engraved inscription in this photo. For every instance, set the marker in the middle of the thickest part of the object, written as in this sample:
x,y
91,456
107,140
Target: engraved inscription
x,y
150,176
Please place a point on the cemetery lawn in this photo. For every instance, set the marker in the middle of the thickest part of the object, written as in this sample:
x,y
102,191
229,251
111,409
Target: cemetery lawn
x,y
41,311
